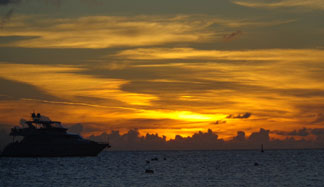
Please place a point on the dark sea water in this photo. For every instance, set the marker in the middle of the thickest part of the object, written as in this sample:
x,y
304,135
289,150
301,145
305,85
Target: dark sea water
x,y
181,168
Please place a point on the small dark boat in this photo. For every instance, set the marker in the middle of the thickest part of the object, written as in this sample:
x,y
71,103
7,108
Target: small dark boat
x,y
46,138
149,171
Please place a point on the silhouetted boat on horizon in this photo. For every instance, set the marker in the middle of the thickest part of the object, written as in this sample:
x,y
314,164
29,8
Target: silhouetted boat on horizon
x,y
46,138
262,148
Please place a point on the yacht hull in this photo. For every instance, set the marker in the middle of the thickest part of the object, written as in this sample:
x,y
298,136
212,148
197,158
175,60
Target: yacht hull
x,y
18,149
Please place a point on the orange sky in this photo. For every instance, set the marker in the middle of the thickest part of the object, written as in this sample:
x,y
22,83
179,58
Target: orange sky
x,y
173,71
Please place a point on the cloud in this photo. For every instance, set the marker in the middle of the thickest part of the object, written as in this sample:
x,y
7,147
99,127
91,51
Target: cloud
x,y
121,31
111,31
311,4
239,116
260,137
319,119
12,89
240,137
6,18
163,89
77,128
317,131
275,55
132,140
78,85
300,132
232,36
218,122
55,2
7,2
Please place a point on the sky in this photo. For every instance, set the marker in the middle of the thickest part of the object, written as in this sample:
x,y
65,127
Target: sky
x,y
165,67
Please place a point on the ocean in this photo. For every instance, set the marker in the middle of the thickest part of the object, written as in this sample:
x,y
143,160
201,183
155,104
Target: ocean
x,y
171,168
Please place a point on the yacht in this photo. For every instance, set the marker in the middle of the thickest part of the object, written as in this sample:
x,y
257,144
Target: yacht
x,y
45,138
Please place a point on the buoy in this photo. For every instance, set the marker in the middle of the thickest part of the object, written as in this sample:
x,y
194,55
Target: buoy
x,y
256,164
149,171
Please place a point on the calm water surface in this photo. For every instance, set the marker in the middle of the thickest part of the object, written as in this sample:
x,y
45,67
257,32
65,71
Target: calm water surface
x,y
181,168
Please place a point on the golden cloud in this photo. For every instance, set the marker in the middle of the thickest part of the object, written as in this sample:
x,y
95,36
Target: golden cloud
x,y
64,82
270,84
277,78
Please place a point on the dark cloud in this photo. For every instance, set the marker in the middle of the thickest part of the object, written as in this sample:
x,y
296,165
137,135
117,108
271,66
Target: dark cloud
x,y
318,142
310,108
185,84
306,93
17,90
7,2
132,141
317,131
319,119
239,116
300,132
260,137
218,122
47,56
6,18
204,141
55,2
240,137
232,36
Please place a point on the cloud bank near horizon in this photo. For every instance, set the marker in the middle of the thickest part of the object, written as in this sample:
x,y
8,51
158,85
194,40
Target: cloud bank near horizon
x,y
209,140
305,138
133,140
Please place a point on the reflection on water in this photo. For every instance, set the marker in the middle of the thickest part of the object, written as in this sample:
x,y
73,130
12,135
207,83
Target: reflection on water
x,y
172,168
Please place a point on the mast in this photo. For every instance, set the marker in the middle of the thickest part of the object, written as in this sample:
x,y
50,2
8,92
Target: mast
x,y
262,148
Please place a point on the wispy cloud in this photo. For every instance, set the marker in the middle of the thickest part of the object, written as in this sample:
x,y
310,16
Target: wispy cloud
x,y
114,31
232,36
312,4
300,132
319,119
246,55
106,31
6,18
